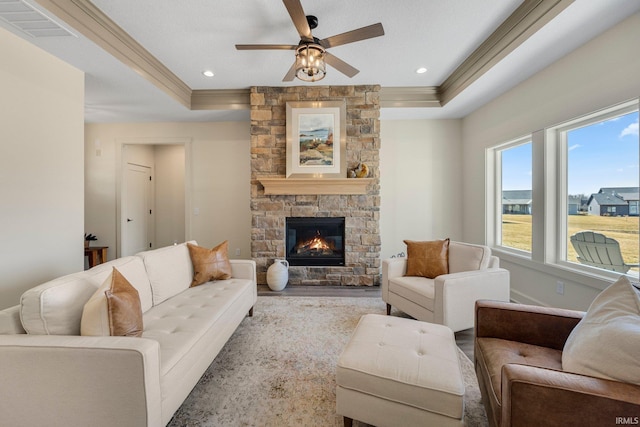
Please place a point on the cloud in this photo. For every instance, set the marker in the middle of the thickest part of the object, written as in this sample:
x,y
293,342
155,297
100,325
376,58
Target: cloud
x,y
574,146
632,130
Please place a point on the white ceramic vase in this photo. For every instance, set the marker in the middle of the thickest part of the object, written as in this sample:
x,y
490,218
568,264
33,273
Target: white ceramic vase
x,y
278,274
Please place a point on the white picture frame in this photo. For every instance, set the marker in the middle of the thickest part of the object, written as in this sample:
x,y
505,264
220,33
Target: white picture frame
x,y
316,139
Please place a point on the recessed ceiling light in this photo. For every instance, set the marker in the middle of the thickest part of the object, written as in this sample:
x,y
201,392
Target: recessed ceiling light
x,y
208,73
421,70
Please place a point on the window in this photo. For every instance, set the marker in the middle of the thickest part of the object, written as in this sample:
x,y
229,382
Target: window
x,y
587,181
602,153
514,221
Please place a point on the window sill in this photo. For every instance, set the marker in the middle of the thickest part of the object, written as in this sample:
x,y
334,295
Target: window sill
x,y
595,280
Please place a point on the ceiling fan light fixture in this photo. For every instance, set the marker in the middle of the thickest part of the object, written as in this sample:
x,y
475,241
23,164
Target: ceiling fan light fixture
x,y
310,65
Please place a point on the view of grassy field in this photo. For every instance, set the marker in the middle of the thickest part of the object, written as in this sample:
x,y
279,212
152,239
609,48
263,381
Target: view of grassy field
x,y
516,232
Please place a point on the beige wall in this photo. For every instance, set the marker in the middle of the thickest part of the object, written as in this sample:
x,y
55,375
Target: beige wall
x,y
169,189
420,182
420,164
217,182
601,73
41,167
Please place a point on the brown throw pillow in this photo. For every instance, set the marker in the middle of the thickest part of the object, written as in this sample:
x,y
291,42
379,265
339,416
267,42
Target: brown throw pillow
x,y
124,308
209,264
427,259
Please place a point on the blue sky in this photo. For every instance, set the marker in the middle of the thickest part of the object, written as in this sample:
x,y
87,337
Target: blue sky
x,y
601,155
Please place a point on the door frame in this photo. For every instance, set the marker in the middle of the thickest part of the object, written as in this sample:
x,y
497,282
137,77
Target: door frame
x,y
121,168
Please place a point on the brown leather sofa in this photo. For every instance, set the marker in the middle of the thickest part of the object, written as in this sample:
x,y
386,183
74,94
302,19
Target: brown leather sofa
x,y
518,361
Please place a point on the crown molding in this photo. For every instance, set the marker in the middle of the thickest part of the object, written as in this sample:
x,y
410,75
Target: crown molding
x,y
221,99
91,22
410,97
528,18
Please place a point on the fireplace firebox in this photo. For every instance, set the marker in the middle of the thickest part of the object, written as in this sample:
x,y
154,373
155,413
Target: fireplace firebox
x,y
315,241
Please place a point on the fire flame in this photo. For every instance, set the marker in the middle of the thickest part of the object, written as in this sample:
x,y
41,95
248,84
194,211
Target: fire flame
x,y
317,243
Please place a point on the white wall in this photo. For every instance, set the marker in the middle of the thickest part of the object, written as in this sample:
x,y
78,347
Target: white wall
x,y
41,167
218,182
601,73
420,182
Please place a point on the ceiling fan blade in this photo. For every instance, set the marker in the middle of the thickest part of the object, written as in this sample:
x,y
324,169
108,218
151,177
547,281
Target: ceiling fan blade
x,y
291,73
266,47
368,32
340,65
299,18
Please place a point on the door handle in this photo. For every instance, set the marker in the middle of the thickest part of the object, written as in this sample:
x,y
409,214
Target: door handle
x,y
129,220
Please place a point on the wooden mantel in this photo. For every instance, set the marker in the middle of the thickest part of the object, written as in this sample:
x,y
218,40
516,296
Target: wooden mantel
x,y
306,186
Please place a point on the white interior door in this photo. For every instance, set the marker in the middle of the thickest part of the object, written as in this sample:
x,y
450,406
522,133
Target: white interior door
x,y
136,212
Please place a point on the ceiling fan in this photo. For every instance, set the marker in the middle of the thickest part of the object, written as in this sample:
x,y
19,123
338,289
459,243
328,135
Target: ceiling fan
x,y
311,53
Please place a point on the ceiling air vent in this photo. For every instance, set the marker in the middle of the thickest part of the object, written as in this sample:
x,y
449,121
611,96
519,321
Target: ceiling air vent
x,y
24,17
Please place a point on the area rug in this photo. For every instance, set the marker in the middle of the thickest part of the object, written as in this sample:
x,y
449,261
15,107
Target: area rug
x,y
278,368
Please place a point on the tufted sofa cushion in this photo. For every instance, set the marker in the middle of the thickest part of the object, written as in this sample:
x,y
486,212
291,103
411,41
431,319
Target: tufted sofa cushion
x,y
495,353
179,323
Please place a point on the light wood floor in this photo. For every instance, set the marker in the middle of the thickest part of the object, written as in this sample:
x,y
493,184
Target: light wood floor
x,y
464,339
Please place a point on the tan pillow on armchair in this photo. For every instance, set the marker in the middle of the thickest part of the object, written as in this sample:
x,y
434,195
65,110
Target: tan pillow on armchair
x,y
427,259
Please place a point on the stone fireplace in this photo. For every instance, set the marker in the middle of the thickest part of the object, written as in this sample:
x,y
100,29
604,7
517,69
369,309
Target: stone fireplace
x,y
361,212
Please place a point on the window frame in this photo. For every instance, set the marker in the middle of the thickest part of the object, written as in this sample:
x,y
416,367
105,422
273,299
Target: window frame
x,y
557,144
550,200
493,158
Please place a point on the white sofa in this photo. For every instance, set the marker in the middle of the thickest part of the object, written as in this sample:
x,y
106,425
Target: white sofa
x,y
449,299
50,375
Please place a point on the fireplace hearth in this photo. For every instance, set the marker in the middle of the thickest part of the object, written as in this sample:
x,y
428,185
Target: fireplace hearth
x,y
314,241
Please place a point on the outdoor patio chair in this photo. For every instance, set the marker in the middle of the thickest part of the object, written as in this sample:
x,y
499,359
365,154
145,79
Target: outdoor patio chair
x,y
598,250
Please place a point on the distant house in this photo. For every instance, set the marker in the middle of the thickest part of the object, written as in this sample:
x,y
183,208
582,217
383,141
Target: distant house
x,y
615,201
574,204
516,202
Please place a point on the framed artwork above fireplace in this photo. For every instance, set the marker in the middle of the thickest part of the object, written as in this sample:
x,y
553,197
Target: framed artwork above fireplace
x,y
316,139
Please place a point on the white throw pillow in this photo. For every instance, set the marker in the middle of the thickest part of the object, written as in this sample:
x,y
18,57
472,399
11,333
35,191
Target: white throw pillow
x,y
606,342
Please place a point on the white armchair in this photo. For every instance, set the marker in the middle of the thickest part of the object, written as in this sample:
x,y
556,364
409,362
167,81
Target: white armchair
x,y
449,299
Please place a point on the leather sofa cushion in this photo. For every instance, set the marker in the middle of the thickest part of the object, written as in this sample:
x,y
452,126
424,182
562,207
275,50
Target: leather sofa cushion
x,y
416,289
494,353
169,270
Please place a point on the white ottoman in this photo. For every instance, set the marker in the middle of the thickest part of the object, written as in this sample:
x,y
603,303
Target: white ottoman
x,y
397,371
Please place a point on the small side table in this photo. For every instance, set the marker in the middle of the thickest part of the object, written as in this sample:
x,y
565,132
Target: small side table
x,y
97,254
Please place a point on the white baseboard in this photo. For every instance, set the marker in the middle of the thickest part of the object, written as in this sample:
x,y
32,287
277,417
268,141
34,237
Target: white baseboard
x,y
520,298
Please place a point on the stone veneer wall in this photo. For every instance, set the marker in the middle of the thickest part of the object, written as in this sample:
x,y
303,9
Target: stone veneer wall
x,y
361,212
